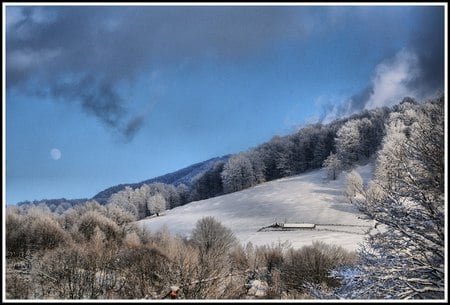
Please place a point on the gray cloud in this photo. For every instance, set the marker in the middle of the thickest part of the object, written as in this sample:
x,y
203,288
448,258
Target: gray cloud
x,y
416,71
133,126
84,53
427,41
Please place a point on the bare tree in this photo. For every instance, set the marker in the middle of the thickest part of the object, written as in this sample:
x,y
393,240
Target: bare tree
x,y
214,242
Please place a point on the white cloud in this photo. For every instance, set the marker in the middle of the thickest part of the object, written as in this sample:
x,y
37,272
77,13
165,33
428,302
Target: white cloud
x,y
332,106
392,81
392,78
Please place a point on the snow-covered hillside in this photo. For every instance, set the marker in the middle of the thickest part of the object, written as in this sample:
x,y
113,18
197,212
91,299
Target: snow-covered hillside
x,y
307,198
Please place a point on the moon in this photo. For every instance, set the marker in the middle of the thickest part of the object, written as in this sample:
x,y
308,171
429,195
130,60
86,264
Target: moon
x,y
55,153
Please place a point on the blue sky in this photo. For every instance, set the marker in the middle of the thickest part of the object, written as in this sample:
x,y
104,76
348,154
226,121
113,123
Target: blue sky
x,y
127,93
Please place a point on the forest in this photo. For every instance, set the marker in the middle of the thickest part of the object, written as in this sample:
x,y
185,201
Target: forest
x,y
94,250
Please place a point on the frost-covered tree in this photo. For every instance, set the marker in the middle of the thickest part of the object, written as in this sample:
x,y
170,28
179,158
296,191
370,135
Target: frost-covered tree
x,y
404,257
348,143
123,200
156,204
333,166
283,156
119,215
168,191
257,166
359,138
183,192
276,156
354,185
237,174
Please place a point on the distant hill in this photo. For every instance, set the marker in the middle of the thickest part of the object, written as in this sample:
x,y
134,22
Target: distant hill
x,y
183,176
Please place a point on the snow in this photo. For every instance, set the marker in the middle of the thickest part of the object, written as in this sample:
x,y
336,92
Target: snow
x,y
258,288
306,198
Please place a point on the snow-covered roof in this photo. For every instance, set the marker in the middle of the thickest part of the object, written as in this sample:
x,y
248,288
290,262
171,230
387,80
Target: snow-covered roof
x,y
299,225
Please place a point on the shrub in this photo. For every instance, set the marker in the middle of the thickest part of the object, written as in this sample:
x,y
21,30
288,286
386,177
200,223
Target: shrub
x,y
313,264
92,219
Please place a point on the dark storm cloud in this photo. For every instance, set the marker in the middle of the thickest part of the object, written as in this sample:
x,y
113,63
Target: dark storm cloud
x,y
427,42
85,53
97,98
133,126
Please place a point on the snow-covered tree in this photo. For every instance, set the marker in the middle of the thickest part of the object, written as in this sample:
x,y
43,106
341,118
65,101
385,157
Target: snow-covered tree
x,y
183,192
283,156
354,186
123,200
333,166
348,142
276,156
257,166
237,174
358,139
156,204
119,215
139,198
404,257
168,191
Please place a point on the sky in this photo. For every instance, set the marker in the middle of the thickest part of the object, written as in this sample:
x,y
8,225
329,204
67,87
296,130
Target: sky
x,y
96,96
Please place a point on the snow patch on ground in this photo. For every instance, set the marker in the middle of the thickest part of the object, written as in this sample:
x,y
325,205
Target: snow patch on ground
x,y
306,198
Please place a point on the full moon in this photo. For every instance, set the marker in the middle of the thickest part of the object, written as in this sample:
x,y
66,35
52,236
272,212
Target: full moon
x,y
55,153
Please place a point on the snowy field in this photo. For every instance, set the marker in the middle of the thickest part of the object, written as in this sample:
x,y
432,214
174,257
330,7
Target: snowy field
x,y
306,198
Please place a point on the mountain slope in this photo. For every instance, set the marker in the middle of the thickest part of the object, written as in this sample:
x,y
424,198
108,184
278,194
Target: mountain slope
x,y
307,198
185,175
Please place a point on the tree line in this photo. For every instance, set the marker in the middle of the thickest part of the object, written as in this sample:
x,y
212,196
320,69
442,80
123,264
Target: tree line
x,y
337,146
99,251
403,257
